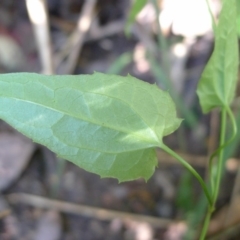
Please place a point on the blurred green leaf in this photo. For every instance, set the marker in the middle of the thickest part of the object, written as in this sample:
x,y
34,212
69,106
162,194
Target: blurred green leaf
x,y
136,8
218,81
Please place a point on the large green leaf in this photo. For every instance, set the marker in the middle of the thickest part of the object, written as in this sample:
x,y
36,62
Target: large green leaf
x,y
105,124
218,82
238,17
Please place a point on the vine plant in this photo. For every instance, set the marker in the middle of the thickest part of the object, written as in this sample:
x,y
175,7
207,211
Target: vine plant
x,y
110,125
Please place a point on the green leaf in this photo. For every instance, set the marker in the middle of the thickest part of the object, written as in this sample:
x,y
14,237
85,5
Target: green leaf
x,y
238,17
136,8
218,81
106,124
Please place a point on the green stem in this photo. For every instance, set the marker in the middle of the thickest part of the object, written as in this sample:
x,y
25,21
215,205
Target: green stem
x,y
190,169
206,224
220,160
215,153
219,168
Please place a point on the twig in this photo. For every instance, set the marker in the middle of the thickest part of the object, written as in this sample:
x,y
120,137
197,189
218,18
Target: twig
x,y
95,32
98,32
227,233
93,35
76,40
39,18
83,210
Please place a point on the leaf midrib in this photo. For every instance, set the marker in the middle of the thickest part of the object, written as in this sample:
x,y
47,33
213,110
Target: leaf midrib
x,y
82,119
106,152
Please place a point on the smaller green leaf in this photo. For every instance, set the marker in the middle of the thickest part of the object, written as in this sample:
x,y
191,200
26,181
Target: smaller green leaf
x,y
217,85
136,8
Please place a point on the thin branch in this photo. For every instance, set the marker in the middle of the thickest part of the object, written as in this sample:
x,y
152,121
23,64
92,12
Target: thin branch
x,y
38,15
83,210
76,40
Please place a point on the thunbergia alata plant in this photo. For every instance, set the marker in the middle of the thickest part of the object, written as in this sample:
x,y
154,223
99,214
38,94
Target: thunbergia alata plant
x,y
110,125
